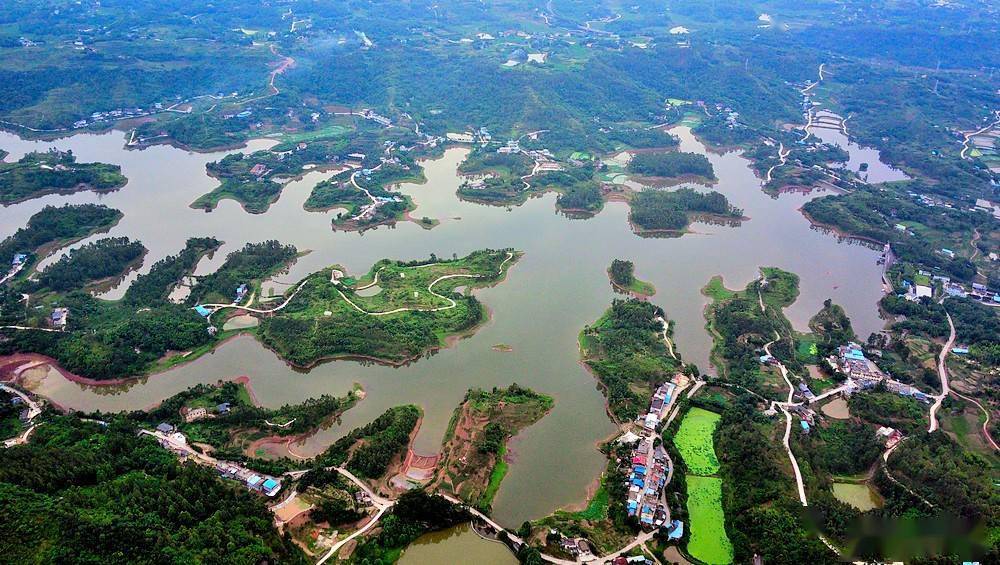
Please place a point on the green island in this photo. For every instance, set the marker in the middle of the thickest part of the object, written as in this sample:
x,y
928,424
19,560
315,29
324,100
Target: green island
x,y
90,264
664,212
675,166
142,332
622,275
395,313
41,173
741,329
51,228
510,179
628,350
472,463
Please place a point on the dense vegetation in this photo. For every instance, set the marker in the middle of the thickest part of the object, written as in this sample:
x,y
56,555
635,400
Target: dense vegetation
x,y
939,469
873,213
762,517
79,492
414,514
54,225
742,329
115,339
375,445
626,351
54,171
671,164
415,320
672,211
101,259
254,262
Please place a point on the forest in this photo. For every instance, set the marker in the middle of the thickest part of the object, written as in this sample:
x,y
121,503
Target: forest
x,y
104,258
57,225
672,211
80,492
625,350
671,164
367,451
116,339
741,329
762,517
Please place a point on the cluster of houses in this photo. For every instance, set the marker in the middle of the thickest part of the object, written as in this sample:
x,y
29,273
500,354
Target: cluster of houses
x,y
649,468
176,442
649,465
863,374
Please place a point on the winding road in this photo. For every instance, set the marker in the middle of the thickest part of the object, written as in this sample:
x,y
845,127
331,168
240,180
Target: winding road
x,y
943,374
430,289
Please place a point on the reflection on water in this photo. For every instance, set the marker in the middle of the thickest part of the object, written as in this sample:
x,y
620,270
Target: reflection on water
x,y
877,171
457,546
558,287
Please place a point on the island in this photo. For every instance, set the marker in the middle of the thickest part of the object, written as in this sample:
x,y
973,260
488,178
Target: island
x,y
40,173
660,212
672,167
622,276
394,314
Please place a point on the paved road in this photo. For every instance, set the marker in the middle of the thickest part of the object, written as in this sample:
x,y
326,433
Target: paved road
x,y
33,411
943,374
451,302
800,485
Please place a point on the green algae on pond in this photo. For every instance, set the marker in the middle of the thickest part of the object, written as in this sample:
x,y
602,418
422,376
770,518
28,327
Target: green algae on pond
x,y
709,542
695,443
859,495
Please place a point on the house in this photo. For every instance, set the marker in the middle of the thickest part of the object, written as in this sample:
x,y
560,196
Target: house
x,y
258,170
270,487
19,260
241,291
676,530
59,317
223,408
948,253
195,414
165,428
255,482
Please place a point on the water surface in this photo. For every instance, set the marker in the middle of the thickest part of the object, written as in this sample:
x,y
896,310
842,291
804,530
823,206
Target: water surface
x,y
559,286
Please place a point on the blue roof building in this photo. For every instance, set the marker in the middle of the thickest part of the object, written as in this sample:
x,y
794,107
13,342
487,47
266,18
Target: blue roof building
x,y
805,425
202,311
270,487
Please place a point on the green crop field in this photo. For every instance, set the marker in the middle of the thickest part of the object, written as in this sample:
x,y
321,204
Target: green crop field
x,y
694,441
709,542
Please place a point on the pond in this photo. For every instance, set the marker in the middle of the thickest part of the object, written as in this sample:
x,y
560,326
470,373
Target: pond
x,y
459,546
858,495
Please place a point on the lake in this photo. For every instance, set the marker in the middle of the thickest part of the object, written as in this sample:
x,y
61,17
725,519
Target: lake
x,y
559,286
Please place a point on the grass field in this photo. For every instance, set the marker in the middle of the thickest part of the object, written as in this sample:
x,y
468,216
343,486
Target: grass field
x,y
716,290
709,542
694,441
